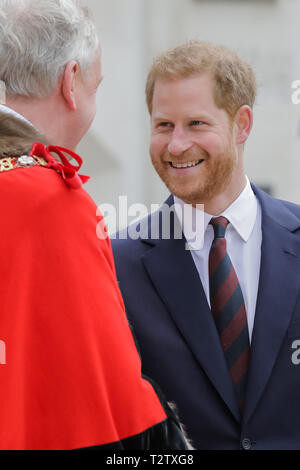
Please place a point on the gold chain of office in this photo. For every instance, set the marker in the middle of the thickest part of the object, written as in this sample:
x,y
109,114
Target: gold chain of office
x,y
12,163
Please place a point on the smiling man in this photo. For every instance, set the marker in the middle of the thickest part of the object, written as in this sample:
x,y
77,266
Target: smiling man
x,y
192,141
215,324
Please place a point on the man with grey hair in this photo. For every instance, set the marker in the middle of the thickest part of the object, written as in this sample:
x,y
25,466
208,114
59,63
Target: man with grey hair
x,y
70,372
50,63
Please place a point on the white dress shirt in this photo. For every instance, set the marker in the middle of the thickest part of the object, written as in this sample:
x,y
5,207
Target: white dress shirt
x,y
243,237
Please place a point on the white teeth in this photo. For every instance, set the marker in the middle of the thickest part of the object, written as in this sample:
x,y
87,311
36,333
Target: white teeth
x,y
185,165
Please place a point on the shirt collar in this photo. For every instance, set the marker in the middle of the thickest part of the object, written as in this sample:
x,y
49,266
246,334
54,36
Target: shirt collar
x,y
7,110
241,214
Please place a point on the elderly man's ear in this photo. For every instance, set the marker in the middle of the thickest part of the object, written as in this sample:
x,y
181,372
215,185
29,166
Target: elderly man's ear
x,y
69,84
243,122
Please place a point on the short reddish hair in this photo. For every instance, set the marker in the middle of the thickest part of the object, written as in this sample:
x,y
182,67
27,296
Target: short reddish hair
x,y
235,83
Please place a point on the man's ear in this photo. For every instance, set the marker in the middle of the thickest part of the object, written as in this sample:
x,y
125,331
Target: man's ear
x,y
243,122
68,84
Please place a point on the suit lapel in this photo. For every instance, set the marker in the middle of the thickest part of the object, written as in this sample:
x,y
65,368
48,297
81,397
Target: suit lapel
x,y
176,279
278,289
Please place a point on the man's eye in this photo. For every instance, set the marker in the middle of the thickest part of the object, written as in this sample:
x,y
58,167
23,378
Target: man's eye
x,y
196,122
164,124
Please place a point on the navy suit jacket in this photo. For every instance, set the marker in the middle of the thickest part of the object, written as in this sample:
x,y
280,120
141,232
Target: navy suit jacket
x,y
180,347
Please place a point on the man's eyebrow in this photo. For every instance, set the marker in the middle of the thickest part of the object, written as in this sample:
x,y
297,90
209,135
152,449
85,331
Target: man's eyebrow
x,y
200,117
161,118
191,117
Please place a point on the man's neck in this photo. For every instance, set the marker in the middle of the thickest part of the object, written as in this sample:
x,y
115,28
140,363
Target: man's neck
x,y
46,115
221,202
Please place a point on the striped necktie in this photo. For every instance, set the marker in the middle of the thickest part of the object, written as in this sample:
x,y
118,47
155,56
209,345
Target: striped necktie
x,y
228,309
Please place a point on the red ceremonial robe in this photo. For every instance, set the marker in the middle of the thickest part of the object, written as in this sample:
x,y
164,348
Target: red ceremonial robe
x,y
70,374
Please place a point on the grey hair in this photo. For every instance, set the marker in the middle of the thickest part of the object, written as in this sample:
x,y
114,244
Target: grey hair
x,y
37,40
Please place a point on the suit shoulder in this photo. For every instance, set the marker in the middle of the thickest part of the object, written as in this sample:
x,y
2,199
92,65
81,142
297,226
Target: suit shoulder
x,y
127,242
293,207
140,236
285,213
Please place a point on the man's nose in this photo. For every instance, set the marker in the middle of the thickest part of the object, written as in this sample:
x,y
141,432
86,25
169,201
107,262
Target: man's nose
x,y
179,143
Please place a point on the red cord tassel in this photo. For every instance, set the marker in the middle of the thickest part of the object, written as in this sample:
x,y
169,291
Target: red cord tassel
x,y
65,168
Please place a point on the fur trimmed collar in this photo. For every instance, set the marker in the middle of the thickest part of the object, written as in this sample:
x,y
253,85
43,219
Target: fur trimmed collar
x,y
17,135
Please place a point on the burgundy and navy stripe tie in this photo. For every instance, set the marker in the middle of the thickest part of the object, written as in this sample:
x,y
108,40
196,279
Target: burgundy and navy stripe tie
x,y
228,309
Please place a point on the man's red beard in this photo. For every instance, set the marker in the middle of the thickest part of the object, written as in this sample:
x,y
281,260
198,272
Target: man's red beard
x,y
211,179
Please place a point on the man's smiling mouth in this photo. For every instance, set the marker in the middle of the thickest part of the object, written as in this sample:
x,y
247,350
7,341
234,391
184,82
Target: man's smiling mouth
x,y
185,165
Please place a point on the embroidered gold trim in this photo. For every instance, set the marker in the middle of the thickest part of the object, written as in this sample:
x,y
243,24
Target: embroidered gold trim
x,y
6,164
41,161
10,163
